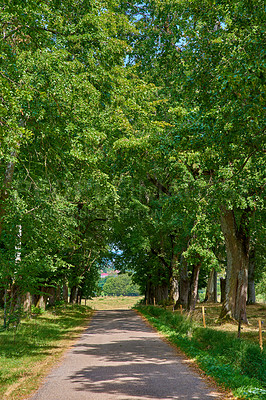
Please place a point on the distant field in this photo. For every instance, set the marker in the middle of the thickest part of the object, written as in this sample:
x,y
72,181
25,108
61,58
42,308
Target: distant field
x,y
110,303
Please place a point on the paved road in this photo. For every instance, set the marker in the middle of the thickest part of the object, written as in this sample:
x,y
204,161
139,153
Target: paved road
x,y
119,357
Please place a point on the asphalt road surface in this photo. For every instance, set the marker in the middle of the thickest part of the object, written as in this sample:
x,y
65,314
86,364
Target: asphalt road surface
x,y
119,357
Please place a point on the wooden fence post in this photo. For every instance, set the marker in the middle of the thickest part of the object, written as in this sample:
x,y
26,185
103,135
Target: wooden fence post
x,y
260,334
181,309
203,316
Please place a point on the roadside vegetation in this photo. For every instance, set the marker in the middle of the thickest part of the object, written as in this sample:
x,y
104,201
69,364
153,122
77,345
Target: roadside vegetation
x,y
28,351
236,364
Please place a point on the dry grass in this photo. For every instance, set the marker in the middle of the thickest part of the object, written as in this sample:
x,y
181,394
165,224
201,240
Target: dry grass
x,y
111,303
250,331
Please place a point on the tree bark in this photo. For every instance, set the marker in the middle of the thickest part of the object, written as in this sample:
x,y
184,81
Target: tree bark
x,y
237,249
5,308
2,297
160,293
41,302
173,282
183,284
74,295
65,293
79,296
194,283
27,302
211,291
51,295
4,192
222,287
251,278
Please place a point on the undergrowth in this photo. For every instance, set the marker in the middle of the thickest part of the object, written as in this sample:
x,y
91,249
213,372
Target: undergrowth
x,y
234,363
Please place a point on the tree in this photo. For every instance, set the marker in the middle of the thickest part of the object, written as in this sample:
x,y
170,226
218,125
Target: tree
x,y
120,285
62,65
211,97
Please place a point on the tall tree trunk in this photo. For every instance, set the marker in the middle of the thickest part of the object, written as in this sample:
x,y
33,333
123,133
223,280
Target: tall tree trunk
x,y
147,291
222,287
4,192
79,296
41,302
211,291
251,278
74,295
160,293
183,284
13,312
5,308
65,293
194,283
2,297
215,294
150,294
27,302
51,295
237,249
173,282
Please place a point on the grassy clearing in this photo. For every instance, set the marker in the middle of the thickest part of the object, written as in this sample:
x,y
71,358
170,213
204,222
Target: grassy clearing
x,y
236,364
112,302
27,354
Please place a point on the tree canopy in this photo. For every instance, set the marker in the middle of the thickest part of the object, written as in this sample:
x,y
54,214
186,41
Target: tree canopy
x,y
135,126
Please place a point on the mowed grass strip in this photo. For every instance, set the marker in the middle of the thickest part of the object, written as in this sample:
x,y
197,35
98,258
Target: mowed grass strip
x,y
28,352
236,364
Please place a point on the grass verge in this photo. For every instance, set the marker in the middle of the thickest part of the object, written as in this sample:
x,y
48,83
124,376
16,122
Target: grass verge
x,y
236,364
28,352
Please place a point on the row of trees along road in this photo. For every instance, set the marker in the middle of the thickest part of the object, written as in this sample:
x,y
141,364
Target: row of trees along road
x,y
136,125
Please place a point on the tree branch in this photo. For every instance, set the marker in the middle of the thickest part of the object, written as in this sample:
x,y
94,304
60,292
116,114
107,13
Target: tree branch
x,y
161,258
158,184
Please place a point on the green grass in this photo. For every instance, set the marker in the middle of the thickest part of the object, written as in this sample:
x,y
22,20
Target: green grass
x,y
112,302
236,364
26,353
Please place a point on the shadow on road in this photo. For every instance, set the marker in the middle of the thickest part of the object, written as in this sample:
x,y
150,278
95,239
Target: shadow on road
x,y
127,360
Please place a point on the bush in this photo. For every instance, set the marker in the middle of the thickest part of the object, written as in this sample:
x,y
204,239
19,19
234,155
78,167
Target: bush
x,y
37,310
